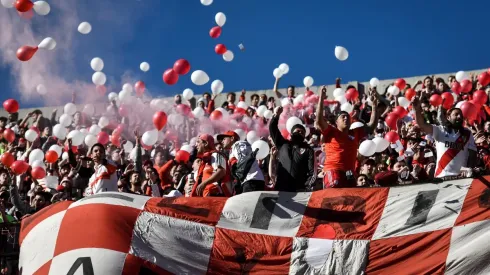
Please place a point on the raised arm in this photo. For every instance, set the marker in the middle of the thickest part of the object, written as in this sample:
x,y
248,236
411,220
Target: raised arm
x,y
276,89
320,122
419,117
276,135
374,113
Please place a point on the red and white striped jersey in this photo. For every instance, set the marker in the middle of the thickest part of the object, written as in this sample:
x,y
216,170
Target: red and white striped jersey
x,y
452,150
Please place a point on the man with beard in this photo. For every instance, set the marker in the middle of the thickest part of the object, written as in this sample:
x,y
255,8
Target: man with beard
x,y
296,159
455,145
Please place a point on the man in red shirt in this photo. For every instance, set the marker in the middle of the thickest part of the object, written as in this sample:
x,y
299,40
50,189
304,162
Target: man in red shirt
x,y
340,144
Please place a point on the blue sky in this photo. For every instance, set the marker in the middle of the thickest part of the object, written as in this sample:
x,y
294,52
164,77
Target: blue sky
x,y
385,39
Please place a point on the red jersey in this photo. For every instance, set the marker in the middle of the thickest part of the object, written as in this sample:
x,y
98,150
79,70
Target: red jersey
x,y
341,148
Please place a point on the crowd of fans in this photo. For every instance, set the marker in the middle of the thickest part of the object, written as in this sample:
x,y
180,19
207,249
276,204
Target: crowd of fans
x,y
430,140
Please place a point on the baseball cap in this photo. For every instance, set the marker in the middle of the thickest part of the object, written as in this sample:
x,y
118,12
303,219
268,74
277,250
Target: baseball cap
x,y
208,138
229,134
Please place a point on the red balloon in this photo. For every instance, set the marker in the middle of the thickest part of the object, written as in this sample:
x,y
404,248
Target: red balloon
x,y
7,159
308,93
435,100
469,110
182,156
124,110
23,5
216,115
400,83
220,49
159,120
351,94
103,138
116,140
400,111
19,167
182,66
74,149
391,120
480,97
183,109
51,156
100,89
410,93
120,129
215,32
239,111
170,77
140,88
448,100
456,87
25,53
9,135
11,106
392,136
38,173
285,133
466,86
484,78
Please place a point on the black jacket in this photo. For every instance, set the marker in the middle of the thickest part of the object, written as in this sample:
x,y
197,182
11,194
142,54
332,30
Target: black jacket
x,y
296,166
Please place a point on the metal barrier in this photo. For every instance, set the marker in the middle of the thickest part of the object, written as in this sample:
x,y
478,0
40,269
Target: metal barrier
x,y
9,247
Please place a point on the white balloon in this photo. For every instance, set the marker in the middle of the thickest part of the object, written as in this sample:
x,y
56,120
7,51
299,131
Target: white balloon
x,y
404,102
374,82
308,81
341,53
263,149
127,87
291,122
338,92
356,125
187,94
56,148
186,148
252,137
128,146
41,7
299,99
242,105
367,148
90,140
224,113
461,75
59,131
48,43
228,56
103,122
76,137
393,90
284,68
65,120
268,114
277,73
89,109
149,138
99,78
31,135
285,102
36,155
206,2
41,89
261,110
94,130
84,132
112,96
65,156
97,64
84,28
381,144
241,133
217,87
247,120
145,66
199,77
341,99
220,19
37,163
70,109
124,96
347,107
458,105
8,3
198,112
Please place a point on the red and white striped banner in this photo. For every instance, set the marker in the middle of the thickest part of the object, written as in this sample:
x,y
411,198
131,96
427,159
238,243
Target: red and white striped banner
x,y
416,229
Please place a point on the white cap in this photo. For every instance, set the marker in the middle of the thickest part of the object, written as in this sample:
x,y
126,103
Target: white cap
x,y
173,194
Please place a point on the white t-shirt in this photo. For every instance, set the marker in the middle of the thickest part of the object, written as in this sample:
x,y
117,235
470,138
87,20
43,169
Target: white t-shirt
x,y
240,150
452,151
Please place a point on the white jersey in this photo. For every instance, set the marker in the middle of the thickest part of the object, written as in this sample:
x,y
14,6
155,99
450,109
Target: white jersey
x,y
242,149
103,180
452,150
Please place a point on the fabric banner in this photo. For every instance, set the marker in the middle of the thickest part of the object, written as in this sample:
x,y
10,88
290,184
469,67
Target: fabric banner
x,y
415,229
